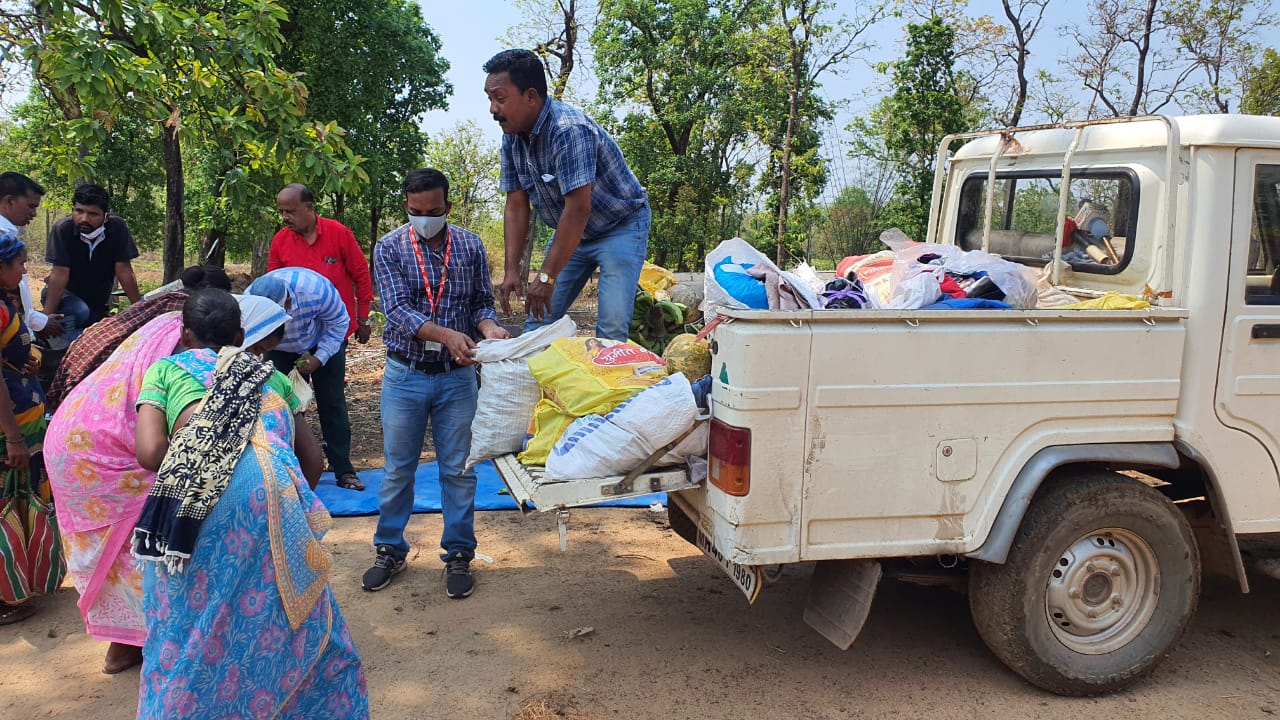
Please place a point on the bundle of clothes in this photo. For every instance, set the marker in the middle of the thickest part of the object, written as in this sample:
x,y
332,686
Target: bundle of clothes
x,y
907,276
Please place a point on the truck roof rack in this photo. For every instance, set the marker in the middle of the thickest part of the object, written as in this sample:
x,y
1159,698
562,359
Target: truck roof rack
x,y
1008,139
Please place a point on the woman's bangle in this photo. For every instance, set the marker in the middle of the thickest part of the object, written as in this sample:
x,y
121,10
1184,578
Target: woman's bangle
x,y
15,442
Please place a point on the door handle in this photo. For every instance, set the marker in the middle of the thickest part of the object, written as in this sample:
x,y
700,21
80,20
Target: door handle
x,y
1266,332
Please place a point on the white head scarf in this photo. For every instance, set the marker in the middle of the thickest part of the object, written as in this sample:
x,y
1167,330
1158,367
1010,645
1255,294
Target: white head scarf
x,y
259,316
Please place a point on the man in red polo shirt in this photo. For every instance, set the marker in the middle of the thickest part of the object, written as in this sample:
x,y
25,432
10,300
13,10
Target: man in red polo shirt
x,y
329,248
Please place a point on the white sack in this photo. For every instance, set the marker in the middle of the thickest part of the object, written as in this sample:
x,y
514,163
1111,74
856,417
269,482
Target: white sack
x,y
615,444
508,392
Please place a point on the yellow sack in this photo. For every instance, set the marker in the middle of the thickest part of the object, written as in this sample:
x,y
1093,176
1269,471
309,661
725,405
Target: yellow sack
x,y
547,426
1111,301
585,375
654,278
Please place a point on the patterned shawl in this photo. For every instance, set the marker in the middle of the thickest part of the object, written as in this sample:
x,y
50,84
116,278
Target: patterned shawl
x,y
201,459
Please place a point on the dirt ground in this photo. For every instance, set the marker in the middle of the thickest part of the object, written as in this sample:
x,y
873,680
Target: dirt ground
x,y
669,636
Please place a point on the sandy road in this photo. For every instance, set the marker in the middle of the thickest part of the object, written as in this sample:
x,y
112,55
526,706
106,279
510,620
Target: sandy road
x,y
671,638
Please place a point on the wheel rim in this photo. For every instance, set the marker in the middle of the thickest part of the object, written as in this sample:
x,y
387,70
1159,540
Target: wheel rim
x,y
1102,591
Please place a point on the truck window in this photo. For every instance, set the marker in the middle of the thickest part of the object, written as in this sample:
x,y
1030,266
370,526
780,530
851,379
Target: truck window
x,y
1102,216
1263,284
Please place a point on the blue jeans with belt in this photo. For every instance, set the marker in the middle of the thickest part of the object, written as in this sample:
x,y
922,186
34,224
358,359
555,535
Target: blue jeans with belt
x,y
619,254
411,398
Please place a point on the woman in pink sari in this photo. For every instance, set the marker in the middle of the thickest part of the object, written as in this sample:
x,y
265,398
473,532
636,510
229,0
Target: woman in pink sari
x,y
100,488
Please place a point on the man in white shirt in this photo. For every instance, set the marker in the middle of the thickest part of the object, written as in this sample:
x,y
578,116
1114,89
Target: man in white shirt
x,y
20,198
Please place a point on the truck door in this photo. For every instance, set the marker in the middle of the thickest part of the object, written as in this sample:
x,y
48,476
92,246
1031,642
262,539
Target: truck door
x,y
1248,393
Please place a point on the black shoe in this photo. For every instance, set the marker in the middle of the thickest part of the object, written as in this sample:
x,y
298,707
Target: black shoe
x,y
458,582
386,565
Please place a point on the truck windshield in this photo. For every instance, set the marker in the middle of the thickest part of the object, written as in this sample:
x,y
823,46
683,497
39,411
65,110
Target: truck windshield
x,y
1102,211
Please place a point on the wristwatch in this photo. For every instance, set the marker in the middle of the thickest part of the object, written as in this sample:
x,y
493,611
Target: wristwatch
x,y
546,279
364,323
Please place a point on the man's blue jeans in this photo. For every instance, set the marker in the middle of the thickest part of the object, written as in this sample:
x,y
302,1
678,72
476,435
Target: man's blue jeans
x,y
74,308
620,255
409,398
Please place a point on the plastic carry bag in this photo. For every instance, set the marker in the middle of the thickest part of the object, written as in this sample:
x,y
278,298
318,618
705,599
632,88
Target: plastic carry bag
x,y
655,278
1017,282
739,252
30,544
508,391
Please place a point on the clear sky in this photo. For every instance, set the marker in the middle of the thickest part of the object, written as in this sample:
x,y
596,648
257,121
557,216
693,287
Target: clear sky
x,y
469,33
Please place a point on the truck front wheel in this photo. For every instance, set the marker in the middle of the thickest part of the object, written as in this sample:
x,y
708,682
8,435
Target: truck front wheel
x,y
1101,580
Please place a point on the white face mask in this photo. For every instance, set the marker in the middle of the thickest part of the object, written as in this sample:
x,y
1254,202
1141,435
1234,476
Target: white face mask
x,y
93,236
427,226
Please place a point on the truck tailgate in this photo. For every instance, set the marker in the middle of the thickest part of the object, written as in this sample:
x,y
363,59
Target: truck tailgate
x,y
532,489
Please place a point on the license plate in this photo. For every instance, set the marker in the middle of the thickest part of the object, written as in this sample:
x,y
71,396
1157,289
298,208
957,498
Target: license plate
x,y
746,577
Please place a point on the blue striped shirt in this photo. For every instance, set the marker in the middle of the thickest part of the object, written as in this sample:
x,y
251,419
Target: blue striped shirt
x,y
467,298
318,319
566,150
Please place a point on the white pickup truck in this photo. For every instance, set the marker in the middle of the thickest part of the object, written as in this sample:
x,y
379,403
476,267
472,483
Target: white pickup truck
x,y
1081,467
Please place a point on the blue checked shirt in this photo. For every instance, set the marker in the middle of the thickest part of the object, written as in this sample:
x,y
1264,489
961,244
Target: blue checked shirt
x,y
467,298
566,150
318,317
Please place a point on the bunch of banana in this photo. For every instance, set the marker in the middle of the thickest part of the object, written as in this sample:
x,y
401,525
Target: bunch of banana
x,y
655,322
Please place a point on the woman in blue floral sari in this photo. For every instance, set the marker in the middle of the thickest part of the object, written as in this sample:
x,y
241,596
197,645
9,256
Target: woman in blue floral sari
x,y
241,621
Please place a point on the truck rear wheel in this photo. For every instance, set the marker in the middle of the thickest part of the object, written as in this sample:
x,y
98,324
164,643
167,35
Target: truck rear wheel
x,y
681,523
1101,580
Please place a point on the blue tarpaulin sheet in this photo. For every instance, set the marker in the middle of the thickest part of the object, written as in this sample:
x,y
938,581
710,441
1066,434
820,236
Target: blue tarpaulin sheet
x,y
490,492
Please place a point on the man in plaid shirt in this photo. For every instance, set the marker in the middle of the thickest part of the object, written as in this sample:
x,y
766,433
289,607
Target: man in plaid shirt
x,y
573,173
436,291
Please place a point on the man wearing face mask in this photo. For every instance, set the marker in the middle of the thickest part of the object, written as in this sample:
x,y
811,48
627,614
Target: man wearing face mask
x,y
436,291
89,252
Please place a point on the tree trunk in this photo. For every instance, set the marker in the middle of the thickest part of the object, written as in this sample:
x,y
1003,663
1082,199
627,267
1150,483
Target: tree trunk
x,y
174,191
375,218
784,193
261,249
213,247
339,206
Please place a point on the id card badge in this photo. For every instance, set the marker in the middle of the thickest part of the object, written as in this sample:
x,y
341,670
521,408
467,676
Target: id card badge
x,y
432,346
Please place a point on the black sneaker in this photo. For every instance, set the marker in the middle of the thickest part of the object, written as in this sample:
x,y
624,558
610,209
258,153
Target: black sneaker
x,y
458,582
386,565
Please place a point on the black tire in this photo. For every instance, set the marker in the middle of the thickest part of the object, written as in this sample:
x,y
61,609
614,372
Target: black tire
x,y
681,523
1107,551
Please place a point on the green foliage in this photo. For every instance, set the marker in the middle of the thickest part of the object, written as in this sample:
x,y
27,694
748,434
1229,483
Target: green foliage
x,y
471,164
200,75
849,226
374,68
678,70
1262,89
923,109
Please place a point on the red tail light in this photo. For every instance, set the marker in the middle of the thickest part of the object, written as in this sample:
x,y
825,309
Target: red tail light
x,y
730,455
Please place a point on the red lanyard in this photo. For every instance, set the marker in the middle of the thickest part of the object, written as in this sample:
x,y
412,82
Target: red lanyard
x,y
438,293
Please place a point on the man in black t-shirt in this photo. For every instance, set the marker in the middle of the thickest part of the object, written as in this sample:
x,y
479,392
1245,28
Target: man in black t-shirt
x,y
89,252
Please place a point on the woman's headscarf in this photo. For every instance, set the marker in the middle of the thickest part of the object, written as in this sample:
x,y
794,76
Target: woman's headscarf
x,y
10,246
259,316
